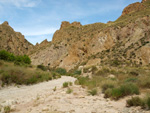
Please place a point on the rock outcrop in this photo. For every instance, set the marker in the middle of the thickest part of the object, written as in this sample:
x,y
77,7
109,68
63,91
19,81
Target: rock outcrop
x,y
125,41
133,8
12,41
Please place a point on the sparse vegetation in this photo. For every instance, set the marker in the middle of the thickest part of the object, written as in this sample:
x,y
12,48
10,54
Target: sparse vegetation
x,y
144,81
121,91
77,72
70,83
10,73
106,86
54,88
65,84
42,67
18,60
92,92
137,101
61,71
69,90
7,109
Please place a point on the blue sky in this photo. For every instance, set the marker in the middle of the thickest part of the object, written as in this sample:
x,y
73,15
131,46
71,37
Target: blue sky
x,y
39,19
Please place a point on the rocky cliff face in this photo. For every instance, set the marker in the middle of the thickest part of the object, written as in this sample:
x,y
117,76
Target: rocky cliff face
x,y
12,41
125,41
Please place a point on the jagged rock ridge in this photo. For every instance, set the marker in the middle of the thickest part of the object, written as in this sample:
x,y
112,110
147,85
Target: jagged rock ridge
x,y
12,41
126,40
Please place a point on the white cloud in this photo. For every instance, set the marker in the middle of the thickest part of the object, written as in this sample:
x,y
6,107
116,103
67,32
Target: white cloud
x,y
36,31
40,32
21,3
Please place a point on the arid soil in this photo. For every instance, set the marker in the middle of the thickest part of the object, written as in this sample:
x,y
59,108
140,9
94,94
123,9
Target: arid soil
x,y
41,98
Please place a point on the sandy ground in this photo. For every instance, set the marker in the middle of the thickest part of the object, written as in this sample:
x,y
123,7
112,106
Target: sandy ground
x,y
41,98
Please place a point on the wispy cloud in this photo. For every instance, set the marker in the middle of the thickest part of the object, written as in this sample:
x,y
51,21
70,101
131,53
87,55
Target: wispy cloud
x,y
21,3
40,32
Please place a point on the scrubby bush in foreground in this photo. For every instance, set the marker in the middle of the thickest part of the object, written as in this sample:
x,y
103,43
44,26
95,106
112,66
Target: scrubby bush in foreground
x,y
65,84
137,101
121,91
92,92
22,75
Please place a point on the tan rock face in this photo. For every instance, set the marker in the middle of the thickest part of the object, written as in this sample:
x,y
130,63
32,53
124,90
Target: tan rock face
x,y
12,41
65,24
68,51
127,41
145,1
133,8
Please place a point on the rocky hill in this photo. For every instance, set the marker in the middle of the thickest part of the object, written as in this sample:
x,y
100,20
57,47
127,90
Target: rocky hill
x,y
125,41
12,41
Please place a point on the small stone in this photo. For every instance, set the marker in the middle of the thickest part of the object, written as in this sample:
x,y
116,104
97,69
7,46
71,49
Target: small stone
x,y
45,109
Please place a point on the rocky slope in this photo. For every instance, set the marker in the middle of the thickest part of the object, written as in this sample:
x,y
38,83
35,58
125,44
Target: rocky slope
x,y
12,41
124,41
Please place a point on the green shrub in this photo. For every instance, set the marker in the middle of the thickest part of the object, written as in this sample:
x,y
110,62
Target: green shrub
x,y
56,75
54,88
134,73
107,86
31,80
148,102
7,109
94,69
86,70
123,90
92,92
65,84
23,59
69,91
131,80
135,101
21,75
4,55
77,72
18,63
102,72
144,82
70,83
108,93
82,80
61,71
42,67
115,62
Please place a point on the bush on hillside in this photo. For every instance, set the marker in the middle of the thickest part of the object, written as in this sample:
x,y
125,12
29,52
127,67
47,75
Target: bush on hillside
x,y
6,56
42,67
77,72
61,71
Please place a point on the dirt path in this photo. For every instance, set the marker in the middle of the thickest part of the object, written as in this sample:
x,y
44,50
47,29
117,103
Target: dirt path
x,y
41,98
